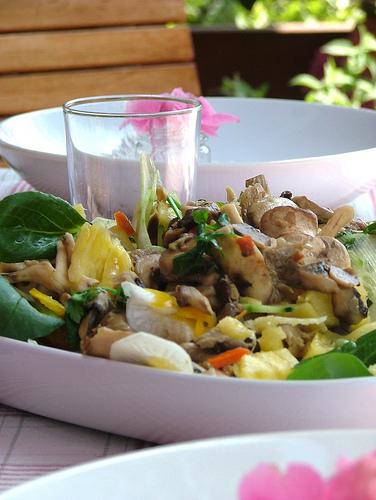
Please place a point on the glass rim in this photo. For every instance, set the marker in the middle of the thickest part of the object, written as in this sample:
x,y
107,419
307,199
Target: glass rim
x,y
69,106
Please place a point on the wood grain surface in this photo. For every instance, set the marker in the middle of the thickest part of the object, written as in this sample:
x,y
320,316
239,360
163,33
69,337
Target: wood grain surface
x,y
90,48
19,93
32,15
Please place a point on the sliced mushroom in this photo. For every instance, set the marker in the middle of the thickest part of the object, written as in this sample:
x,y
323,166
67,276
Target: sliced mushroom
x,y
260,180
145,349
255,202
100,344
248,271
335,252
96,311
41,273
215,340
182,245
146,263
115,320
261,240
282,220
323,214
209,291
348,306
11,267
343,278
297,339
316,277
190,296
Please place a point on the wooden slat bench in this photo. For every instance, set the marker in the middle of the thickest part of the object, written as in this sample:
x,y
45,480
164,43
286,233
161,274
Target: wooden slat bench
x,y
55,50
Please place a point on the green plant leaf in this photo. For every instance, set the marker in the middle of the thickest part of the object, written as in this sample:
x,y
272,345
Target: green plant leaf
x,y
329,366
339,48
358,64
32,223
19,319
305,80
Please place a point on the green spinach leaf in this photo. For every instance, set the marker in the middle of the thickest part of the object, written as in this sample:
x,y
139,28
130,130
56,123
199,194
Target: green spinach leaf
x,y
364,348
19,319
329,366
370,229
32,223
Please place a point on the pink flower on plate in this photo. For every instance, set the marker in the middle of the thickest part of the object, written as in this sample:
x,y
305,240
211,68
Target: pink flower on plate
x,y
210,119
353,480
266,482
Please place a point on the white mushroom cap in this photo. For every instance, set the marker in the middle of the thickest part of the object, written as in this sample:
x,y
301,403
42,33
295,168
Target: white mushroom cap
x,y
145,349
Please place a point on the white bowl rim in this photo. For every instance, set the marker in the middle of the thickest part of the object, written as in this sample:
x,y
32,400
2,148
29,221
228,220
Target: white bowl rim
x,y
196,377
195,445
60,156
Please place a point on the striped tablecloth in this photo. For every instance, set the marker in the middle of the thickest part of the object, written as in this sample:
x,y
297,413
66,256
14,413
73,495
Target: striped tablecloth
x,y
31,446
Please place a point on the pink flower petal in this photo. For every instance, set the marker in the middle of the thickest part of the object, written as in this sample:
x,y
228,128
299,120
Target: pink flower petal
x,y
262,483
303,481
210,120
267,483
354,480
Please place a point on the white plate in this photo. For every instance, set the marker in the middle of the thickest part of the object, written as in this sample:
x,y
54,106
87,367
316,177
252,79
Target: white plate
x,y
162,406
204,470
325,152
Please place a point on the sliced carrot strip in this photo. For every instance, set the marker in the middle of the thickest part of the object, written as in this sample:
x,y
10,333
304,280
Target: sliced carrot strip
x,y
124,223
228,357
246,245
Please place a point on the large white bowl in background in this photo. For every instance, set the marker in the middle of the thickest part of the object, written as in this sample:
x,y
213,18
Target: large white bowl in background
x,y
163,407
325,152
203,470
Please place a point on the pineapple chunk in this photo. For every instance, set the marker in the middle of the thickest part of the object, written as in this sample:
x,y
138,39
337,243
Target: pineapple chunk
x,y
234,328
321,304
265,365
97,256
321,343
272,338
362,328
372,369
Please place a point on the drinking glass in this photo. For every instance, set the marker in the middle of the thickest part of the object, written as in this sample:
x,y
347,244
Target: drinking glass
x,y
106,137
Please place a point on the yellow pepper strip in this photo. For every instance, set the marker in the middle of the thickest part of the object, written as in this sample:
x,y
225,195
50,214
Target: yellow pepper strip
x,y
48,302
203,321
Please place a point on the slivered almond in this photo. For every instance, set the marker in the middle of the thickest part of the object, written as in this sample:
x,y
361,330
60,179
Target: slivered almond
x,y
342,216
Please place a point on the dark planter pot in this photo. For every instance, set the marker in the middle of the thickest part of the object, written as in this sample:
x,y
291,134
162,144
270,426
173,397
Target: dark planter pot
x,y
273,56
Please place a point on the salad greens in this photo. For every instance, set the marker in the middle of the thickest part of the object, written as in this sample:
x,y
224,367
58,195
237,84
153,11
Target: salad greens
x,y
32,223
351,359
149,180
19,319
175,204
362,250
330,365
194,260
364,348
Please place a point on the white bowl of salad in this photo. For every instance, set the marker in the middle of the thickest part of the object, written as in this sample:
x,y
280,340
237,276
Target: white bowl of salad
x,y
251,314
